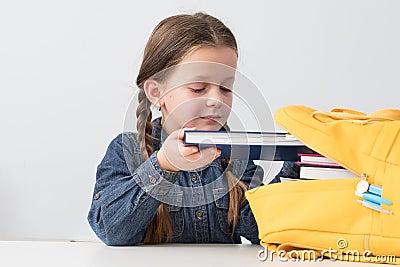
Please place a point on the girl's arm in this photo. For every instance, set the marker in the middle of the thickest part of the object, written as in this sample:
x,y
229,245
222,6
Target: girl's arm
x,y
121,210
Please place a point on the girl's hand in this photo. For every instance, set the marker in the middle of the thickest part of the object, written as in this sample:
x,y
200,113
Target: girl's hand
x,y
175,156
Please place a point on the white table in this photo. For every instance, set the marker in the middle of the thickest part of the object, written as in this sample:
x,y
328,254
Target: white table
x,y
76,254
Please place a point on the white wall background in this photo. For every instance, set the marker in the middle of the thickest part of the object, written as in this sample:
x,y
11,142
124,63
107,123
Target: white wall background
x,y
67,72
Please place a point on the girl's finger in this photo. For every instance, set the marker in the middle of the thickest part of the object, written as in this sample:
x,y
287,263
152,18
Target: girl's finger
x,y
208,154
182,132
188,150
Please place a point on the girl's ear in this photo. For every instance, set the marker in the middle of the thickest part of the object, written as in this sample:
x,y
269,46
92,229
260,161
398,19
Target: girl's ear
x,y
152,88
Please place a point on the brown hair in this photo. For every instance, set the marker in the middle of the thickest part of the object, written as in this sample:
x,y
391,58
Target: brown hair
x,y
171,40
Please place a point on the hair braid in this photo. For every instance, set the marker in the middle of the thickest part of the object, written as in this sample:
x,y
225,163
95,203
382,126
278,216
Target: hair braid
x,y
236,198
161,223
144,125
236,191
236,194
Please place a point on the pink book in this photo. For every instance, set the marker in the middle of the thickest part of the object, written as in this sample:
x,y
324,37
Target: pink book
x,y
316,160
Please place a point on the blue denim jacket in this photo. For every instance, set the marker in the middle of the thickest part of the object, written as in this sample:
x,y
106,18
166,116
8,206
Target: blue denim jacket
x,y
129,190
289,169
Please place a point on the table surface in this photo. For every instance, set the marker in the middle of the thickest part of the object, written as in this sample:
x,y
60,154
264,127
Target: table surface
x,y
73,254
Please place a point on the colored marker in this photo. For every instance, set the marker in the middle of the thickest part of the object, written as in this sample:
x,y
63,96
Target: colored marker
x,y
375,198
375,189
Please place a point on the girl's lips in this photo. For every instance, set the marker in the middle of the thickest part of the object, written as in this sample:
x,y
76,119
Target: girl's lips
x,y
211,118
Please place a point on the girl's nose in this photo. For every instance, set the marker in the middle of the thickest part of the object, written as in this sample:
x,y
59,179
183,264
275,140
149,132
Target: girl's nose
x,y
214,97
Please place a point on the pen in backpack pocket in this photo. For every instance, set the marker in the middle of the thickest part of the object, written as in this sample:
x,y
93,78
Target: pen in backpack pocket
x,y
374,206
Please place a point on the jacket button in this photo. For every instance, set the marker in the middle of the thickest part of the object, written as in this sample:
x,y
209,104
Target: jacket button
x,y
194,178
199,214
97,196
152,179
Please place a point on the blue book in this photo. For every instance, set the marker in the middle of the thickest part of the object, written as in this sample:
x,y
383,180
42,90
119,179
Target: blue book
x,y
249,145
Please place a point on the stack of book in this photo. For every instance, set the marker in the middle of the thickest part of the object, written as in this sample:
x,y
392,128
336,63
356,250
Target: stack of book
x,y
315,166
272,146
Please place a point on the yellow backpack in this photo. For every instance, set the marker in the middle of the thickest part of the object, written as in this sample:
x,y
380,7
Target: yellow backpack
x,y
324,218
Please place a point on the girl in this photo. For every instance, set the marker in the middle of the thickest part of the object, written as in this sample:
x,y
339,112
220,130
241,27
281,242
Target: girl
x,y
150,188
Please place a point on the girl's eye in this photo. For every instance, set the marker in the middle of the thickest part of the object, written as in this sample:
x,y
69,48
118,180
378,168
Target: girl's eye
x,y
197,90
225,89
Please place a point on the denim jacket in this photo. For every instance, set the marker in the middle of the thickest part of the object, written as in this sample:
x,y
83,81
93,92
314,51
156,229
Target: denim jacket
x,y
289,169
129,190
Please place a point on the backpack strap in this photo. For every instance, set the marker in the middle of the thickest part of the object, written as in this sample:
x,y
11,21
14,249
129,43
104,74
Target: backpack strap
x,y
341,114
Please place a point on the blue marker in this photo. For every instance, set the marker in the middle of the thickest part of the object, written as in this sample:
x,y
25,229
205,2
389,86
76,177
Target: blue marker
x,y
375,198
375,189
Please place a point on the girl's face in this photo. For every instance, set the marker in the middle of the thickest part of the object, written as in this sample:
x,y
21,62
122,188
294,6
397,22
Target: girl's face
x,y
199,92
